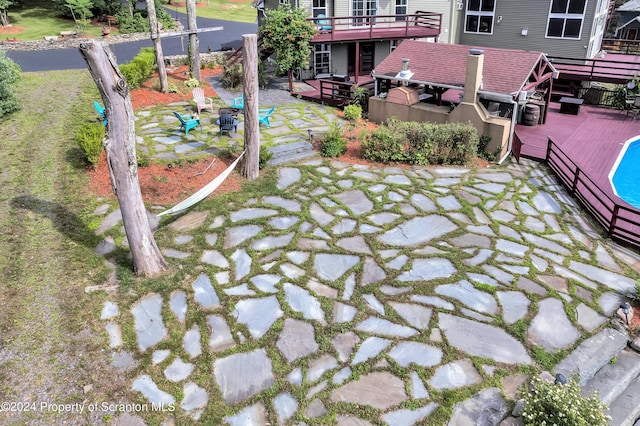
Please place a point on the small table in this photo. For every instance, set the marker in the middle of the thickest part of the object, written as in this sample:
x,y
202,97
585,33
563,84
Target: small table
x,y
570,105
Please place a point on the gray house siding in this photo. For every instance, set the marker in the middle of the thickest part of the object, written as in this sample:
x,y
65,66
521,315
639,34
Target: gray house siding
x,y
339,58
532,15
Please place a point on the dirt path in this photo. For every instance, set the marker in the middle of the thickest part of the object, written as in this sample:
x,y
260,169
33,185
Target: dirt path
x,y
49,344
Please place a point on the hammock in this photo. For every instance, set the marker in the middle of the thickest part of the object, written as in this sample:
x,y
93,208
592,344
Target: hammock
x,y
204,191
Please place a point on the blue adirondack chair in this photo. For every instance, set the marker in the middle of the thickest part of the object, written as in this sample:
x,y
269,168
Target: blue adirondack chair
x,y
227,123
238,102
324,25
264,114
100,110
187,122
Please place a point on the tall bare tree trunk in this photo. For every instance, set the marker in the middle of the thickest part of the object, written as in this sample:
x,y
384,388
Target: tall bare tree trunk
x,y
194,42
157,46
250,164
120,145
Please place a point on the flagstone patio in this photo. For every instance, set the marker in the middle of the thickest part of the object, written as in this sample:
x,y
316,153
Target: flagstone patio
x,y
356,295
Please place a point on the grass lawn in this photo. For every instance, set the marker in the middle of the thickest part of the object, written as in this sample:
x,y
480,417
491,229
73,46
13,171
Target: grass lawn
x,y
48,326
39,18
239,11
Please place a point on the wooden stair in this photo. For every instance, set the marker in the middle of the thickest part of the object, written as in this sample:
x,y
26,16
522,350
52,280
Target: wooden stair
x,y
236,55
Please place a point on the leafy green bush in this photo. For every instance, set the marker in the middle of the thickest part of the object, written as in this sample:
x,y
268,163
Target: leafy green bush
x,y
361,97
353,112
139,22
333,144
140,68
232,76
482,149
191,83
265,156
89,138
562,405
9,75
422,143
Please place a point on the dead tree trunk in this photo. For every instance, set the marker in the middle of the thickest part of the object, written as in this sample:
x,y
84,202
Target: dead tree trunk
x,y
157,46
250,163
120,145
194,42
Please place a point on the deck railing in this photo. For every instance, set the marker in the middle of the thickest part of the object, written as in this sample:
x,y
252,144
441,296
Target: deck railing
x,y
336,93
629,47
368,25
597,69
621,223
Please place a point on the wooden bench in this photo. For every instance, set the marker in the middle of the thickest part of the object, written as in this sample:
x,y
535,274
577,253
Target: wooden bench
x,y
570,105
69,33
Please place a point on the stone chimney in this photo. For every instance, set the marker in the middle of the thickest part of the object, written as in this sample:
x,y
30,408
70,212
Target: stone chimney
x,y
473,79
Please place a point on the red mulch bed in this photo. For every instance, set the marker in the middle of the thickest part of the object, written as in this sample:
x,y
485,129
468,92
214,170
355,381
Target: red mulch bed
x,y
164,185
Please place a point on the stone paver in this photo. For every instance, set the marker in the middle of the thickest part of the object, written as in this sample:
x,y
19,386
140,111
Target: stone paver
x,y
361,285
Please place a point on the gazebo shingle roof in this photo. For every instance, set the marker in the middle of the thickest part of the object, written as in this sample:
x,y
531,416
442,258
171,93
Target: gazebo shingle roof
x,y
505,71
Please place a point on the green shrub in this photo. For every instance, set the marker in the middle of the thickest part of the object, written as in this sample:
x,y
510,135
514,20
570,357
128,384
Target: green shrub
x,y
139,22
422,143
9,76
232,76
361,96
482,149
333,144
89,138
191,83
353,112
562,405
635,293
265,156
140,68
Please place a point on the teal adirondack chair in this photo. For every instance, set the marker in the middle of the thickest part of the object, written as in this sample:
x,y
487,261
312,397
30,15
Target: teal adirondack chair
x,y
187,123
100,110
264,114
238,102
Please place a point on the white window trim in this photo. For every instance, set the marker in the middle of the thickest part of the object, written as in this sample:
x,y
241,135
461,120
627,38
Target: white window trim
x,y
479,13
393,45
395,6
323,52
320,10
566,16
366,11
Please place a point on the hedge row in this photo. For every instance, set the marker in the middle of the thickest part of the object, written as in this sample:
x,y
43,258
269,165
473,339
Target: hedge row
x,y
422,143
140,68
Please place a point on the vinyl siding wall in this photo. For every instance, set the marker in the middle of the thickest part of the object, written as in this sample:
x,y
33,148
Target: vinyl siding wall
x,y
533,15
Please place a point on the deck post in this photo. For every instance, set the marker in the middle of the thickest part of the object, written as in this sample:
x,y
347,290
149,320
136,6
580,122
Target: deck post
x,y
614,219
549,143
574,184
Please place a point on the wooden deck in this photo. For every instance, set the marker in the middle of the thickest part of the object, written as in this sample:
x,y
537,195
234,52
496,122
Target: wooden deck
x,y
592,139
315,96
590,142
336,29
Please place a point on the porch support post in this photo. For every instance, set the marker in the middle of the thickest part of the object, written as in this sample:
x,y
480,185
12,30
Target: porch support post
x,y
357,59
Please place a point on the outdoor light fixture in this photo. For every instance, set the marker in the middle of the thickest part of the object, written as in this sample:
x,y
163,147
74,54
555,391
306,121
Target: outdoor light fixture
x,y
560,379
310,135
626,308
524,31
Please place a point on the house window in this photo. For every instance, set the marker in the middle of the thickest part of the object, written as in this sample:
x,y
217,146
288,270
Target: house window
x,y
363,8
319,8
393,45
322,58
479,16
283,2
565,18
401,9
